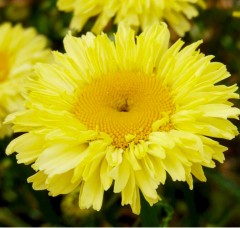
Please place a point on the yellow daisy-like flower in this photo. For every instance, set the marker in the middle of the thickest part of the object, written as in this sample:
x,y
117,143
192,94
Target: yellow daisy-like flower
x,y
20,49
135,13
123,113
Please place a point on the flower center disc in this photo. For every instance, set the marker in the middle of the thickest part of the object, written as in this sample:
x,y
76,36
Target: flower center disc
x,y
123,103
4,66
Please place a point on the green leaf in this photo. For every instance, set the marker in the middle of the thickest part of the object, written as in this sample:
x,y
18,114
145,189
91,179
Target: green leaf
x,y
152,215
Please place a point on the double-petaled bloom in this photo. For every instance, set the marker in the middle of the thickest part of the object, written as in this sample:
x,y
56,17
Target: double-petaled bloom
x,y
123,113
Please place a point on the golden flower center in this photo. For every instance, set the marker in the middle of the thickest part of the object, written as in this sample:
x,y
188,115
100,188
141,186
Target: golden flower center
x,y
123,104
4,66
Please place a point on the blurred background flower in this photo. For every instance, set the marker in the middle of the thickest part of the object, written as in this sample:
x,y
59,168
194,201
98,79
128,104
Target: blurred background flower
x,y
136,14
20,49
236,13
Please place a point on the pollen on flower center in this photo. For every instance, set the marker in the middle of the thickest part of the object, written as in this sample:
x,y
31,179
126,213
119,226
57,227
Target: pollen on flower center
x,y
122,104
4,66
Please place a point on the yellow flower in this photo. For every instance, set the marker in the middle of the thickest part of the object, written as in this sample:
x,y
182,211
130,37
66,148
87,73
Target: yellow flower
x,y
135,13
123,113
19,49
236,13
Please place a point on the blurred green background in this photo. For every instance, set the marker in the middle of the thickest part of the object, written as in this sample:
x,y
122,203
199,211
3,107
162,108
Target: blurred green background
x,y
214,203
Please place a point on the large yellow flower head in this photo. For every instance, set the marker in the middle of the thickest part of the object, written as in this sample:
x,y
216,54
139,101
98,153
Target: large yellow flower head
x,y
20,49
123,113
135,13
